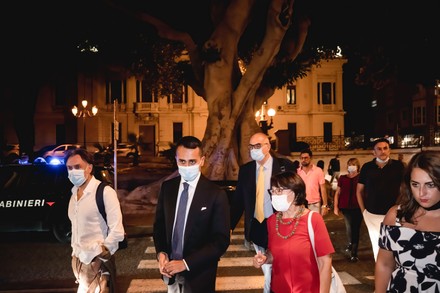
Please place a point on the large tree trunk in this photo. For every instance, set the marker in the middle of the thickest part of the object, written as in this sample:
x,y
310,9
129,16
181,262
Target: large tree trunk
x,y
233,96
229,110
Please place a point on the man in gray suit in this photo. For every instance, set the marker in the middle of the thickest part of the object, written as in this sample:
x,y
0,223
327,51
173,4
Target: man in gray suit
x,y
188,260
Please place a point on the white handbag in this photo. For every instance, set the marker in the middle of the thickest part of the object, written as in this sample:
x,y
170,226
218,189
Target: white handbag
x,y
336,285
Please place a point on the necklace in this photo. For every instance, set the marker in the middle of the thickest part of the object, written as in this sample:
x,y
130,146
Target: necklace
x,y
434,207
295,218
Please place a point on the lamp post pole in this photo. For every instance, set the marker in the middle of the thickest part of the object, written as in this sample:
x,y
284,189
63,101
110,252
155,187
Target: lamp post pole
x,y
84,131
84,113
263,122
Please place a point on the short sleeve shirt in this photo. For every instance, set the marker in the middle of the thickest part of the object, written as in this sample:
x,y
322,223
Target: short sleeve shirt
x,y
381,185
313,180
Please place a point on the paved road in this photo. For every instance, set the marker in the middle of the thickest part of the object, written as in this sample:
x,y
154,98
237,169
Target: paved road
x,y
46,263
43,265
236,273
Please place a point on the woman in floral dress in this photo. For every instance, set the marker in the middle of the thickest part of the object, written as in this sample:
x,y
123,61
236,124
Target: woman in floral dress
x,y
409,254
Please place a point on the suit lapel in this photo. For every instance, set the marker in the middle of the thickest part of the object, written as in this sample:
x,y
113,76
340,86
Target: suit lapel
x,y
253,185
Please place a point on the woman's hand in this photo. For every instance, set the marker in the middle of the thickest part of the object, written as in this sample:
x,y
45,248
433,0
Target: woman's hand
x,y
259,259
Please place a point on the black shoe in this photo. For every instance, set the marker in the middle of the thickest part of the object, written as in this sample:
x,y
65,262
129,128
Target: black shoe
x,y
354,259
348,247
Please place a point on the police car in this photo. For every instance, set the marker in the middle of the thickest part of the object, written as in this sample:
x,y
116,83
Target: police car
x,y
35,197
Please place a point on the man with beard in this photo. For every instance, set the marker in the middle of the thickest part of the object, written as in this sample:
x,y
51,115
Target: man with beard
x,y
314,179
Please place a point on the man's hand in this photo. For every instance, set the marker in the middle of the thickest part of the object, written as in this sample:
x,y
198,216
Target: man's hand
x,y
174,267
259,259
324,210
105,254
163,260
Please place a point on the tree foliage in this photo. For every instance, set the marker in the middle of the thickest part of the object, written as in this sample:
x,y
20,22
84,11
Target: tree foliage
x,y
234,59
205,43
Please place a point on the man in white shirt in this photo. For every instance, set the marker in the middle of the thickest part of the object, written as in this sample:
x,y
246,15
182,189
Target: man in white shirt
x,y
94,240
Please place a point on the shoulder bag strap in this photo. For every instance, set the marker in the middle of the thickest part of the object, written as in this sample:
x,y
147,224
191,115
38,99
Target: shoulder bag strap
x,y
311,232
100,200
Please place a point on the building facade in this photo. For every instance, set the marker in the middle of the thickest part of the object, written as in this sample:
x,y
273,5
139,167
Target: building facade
x,y
310,110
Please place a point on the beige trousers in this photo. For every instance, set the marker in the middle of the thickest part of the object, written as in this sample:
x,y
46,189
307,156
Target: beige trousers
x,y
95,277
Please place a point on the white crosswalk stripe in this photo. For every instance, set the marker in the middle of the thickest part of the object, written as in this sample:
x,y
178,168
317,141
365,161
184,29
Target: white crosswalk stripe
x,y
242,257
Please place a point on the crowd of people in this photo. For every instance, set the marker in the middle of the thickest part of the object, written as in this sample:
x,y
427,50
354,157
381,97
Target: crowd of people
x,y
194,220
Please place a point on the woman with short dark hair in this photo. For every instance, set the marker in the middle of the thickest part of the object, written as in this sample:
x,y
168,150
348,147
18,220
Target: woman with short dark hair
x,y
294,266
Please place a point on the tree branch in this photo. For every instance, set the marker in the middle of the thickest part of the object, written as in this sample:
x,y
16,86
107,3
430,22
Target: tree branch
x,y
167,32
293,43
269,48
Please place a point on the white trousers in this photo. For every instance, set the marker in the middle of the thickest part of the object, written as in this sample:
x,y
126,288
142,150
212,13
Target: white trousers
x,y
316,207
373,221
267,270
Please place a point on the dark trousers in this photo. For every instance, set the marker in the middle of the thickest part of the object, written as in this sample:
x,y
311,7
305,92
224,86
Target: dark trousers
x,y
353,221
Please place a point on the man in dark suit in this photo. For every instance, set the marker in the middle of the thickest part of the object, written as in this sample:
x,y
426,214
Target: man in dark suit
x,y
189,264
245,195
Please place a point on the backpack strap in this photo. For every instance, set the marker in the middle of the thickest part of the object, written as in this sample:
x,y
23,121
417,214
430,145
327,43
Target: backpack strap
x,y
100,200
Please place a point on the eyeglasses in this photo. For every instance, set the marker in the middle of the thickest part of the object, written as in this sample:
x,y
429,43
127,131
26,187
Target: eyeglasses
x,y
277,190
256,146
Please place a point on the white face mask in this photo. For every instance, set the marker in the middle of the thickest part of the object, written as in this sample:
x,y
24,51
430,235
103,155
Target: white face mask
x,y
280,203
257,154
382,161
352,169
189,173
77,176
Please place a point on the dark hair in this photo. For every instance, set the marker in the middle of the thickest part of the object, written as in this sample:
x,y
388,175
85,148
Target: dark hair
x,y
428,161
320,164
292,181
84,154
306,151
190,142
296,164
383,139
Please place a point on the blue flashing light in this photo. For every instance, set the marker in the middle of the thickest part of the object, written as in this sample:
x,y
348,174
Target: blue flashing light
x,y
23,161
40,160
56,161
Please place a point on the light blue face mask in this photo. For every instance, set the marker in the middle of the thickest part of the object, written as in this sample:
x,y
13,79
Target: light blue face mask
x,y
257,154
189,173
77,177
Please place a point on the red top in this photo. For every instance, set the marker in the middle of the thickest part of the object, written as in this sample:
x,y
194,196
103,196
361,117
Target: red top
x,y
347,193
294,267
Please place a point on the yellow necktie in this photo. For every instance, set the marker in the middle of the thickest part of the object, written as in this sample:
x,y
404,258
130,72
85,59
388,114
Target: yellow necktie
x,y
259,203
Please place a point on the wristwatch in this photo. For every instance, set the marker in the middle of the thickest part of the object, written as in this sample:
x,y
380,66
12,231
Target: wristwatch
x,y
324,206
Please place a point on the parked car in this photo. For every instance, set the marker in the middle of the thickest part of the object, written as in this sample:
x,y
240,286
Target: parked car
x,y
35,197
125,150
59,152
43,150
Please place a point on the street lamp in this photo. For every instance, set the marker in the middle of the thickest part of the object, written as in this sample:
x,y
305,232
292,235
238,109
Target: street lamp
x,y
262,122
84,113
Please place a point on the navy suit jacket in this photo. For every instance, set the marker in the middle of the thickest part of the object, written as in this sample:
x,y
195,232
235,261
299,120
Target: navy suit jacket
x,y
207,231
245,196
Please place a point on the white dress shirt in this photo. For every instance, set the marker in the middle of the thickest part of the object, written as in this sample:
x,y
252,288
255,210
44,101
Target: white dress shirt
x,y
89,230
